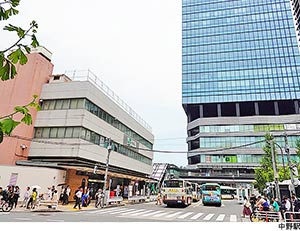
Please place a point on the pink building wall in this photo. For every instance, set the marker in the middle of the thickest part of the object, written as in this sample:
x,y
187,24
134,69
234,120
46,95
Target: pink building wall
x,y
19,91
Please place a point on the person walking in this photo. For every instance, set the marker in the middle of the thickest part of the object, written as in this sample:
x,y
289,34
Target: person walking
x,y
246,207
287,209
276,207
296,206
33,199
26,197
16,196
77,197
158,199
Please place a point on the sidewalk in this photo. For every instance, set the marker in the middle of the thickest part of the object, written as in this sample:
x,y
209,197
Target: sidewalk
x,y
64,208
69,207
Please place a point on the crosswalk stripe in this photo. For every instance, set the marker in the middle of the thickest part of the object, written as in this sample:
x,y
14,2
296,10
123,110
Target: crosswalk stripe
x,y
161,214
208,217
151,214
140,213
173,214
121,211
196,216
103,210
133,212
220,217
185,215
233,218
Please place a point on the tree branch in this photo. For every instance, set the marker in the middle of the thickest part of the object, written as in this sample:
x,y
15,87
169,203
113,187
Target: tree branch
x,y
16,43
15,112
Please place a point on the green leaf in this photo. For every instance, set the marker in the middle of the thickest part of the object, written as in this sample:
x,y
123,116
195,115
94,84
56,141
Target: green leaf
x,y
23,58
18,55
27,119
8,125
10,28
14,3
34,42
14,56
1,59
21,109
5,71
1,135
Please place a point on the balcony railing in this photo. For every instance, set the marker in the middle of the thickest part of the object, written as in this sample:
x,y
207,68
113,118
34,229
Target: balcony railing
x,y
87,75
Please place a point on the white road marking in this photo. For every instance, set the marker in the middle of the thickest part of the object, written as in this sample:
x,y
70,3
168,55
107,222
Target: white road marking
x,y
140,213
173,214
23,219
185,215
150,214
208,217
161,214
233,218
220,217
55,220
121,211
196,216
132,212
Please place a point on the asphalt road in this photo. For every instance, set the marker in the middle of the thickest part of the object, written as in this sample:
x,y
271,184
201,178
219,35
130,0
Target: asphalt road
x,y
230,211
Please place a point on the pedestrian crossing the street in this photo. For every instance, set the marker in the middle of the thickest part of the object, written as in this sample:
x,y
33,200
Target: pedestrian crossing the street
x,y
166,215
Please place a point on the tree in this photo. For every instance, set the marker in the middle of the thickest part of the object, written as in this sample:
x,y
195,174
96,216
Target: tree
x,y
265,173
9,57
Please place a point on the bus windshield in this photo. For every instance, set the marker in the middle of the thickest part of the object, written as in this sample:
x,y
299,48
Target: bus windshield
x,y
173,184
210,188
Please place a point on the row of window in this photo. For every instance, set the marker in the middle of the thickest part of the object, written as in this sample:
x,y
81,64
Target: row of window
x,y
90,136
261,37
189,5
240,159
202,12
248,128
247,54
238,65
266,84
224,97
230,19
227,142
245,74
65,104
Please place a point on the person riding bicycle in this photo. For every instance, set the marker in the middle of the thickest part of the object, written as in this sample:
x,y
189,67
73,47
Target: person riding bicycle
x,y
262,203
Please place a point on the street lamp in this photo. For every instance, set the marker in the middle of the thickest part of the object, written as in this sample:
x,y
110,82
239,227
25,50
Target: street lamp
x,y
109,148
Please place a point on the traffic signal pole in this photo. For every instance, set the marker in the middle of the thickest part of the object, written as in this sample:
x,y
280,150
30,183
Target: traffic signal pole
x,y
287,150
109,148
276,176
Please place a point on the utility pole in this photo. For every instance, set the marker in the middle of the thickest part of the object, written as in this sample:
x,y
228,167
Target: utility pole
x,y
276,176
287,150
109,148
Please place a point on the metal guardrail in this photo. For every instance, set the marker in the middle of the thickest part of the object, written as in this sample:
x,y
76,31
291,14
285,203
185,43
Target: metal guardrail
x,y
292,217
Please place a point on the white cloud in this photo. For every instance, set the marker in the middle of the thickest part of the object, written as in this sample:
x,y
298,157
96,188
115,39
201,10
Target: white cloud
x,y
134,46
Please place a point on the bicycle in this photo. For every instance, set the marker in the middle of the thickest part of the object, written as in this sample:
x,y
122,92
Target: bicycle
x,y
6,206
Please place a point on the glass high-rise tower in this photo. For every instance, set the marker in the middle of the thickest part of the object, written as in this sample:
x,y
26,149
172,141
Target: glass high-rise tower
x,y
240,80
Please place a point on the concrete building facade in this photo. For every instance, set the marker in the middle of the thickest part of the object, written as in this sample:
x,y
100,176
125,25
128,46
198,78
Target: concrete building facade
x,y
78,115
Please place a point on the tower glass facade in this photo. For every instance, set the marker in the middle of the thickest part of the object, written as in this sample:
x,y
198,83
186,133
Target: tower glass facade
x,y
240,59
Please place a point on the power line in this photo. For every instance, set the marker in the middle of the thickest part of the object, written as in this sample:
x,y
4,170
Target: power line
x,y
150,150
